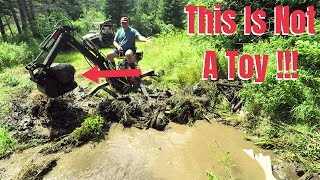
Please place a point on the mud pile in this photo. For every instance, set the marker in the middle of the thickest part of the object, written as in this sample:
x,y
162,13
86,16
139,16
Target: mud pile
x,y
162,106
34,116
37,117
137,110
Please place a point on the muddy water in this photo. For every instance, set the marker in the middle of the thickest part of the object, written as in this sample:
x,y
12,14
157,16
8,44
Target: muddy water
x,y
179,153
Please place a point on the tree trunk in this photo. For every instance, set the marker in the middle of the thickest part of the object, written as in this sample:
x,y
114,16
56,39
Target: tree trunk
x,y
2,30
8,24
30,20
22,14
31,7
12,7
16,20
25,6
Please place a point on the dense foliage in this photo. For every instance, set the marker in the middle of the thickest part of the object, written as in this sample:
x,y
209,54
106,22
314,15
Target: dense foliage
x,y
288,101
22,20
14,54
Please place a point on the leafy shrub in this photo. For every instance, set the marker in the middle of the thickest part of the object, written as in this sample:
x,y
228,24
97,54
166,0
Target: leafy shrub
x,y
46,24
223,104
13,54
92,127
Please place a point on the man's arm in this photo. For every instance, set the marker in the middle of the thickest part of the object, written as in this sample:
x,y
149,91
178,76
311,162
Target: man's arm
x,y
115,41
142,38
116,45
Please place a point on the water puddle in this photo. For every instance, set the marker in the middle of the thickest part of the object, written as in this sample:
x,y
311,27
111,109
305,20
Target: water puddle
x,y
179,153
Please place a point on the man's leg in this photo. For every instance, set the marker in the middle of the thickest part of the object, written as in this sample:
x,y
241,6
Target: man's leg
x,y
129,56
111,55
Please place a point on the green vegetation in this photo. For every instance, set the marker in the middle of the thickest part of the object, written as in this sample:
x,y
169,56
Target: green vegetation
x,y
226,163
211,176
285,115
172,52
171,12
187,110
183,66
7,143
298,143
84,24
22,20
91,128
13,54
277,109
293,102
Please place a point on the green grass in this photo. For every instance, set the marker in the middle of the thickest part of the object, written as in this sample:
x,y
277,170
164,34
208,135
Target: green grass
x,y
293,143
7,143
212,176
174,54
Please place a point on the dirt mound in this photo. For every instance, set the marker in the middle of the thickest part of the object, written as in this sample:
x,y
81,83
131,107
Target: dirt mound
x,y
137,110
35,116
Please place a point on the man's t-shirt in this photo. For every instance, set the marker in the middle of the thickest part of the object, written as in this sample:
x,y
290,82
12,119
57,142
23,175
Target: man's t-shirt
x,y
127,38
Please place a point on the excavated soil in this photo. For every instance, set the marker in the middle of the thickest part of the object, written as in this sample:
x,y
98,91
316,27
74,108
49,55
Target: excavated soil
x,y
37,117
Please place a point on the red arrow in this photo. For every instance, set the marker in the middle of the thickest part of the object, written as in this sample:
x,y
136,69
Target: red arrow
x,y
94,74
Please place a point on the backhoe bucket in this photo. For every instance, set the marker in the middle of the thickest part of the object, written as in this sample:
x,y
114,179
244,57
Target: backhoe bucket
x,y
57,80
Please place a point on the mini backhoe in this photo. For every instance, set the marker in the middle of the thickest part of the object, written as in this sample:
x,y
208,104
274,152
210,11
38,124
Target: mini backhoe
x,y
56,80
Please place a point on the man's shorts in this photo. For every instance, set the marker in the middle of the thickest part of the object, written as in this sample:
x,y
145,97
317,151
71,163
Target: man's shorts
x,y
123,52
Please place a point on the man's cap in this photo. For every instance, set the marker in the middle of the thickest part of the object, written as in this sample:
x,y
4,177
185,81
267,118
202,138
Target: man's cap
x,y
124,19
